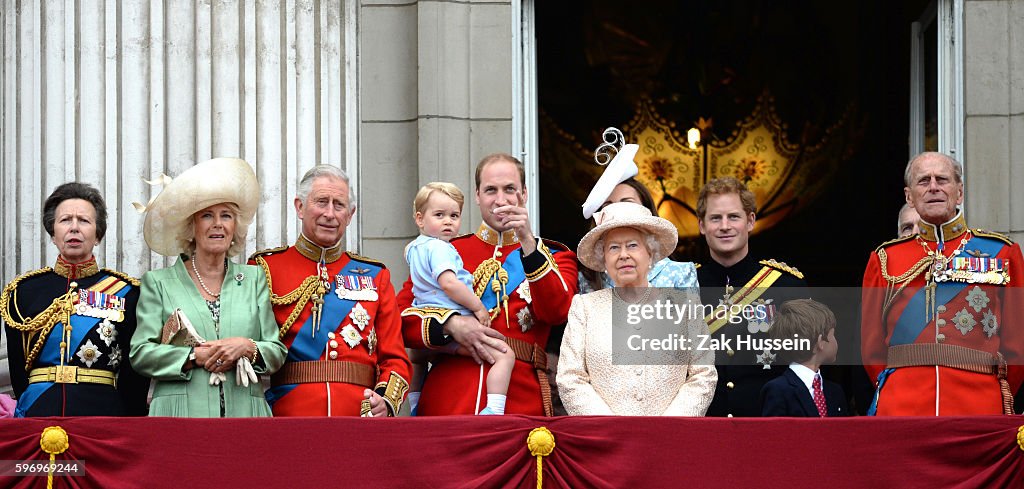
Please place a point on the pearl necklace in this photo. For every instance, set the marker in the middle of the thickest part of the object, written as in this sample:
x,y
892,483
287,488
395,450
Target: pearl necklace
x,y
200,277
641,300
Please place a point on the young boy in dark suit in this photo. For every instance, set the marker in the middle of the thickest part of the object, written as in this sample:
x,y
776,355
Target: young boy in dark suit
x,y
801,391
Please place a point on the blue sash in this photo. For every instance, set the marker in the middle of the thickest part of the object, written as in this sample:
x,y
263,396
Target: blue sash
x,y
514,267
310,347
50,353
873,408
909,326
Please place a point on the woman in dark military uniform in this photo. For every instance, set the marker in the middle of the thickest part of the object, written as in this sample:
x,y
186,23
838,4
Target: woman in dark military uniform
x,y
69,327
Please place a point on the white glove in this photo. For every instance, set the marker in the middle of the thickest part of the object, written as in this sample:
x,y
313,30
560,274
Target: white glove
x,y
244,373
216,378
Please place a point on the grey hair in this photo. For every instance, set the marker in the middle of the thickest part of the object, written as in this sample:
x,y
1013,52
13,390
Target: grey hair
x,y
650,242
187,235
958,169
306,184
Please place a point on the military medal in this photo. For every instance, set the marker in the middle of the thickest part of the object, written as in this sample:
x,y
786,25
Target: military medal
x,y
524,291
760,319
99,305
765,359
989,323
525,319
89,353
371,341
355,287
107,331
359,316
351,336
115,357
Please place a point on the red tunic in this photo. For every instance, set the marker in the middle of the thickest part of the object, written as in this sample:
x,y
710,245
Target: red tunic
x,y
287,269
454,384
979,316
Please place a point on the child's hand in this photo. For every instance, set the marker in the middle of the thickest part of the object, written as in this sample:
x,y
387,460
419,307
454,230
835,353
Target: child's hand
x,y
483,316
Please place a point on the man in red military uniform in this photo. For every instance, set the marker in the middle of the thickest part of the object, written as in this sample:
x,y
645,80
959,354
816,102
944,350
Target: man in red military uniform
x,y
337,314
525,282
941,329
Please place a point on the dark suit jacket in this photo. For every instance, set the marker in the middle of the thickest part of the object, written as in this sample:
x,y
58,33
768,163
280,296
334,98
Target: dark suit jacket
x,y
787,395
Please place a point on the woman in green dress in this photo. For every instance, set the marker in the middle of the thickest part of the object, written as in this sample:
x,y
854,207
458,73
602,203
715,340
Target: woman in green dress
x,y
202,217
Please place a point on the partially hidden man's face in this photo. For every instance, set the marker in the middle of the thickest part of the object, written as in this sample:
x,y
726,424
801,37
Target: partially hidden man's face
x,y
326,212
908,222
934,192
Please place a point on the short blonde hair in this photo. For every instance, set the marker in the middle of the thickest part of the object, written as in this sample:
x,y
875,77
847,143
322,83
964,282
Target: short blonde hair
x,y
803,319
449,189
187,236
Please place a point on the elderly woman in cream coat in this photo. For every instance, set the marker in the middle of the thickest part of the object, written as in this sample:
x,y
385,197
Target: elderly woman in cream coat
x,y
202,218
674,382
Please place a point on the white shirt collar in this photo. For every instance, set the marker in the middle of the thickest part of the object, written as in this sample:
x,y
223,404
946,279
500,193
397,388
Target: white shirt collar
x,y
807,376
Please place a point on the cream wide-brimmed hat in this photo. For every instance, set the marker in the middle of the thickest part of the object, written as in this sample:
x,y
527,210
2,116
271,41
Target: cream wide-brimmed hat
x,y
626,215
212,182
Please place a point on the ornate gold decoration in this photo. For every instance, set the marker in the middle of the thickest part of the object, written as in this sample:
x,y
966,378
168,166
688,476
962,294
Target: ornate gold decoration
x,y
490,272
59,310
541,443
53,441
1020,437
311,287
784,267
785,175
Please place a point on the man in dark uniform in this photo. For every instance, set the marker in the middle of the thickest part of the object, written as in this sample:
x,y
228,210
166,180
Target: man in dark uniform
x,y
726,211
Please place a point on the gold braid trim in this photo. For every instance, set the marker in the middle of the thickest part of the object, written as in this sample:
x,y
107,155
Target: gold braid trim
x,y
483,273
309,287
490,272
902,280
58,311
994,235
778,265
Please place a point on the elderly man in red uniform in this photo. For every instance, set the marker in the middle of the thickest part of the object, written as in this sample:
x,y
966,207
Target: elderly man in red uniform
x,y
337,313
526,283
941,328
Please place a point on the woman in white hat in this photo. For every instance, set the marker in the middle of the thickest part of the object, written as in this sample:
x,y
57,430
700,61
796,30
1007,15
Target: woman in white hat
x,y
618,183
202,217
606,367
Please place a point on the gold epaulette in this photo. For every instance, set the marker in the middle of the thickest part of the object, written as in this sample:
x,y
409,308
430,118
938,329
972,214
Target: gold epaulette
x,y
364,259
268,251
462,236
123,276
5,296
778,265
41,324
894,241
994,235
